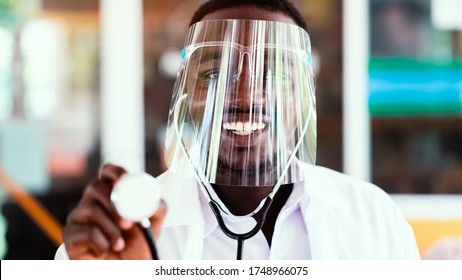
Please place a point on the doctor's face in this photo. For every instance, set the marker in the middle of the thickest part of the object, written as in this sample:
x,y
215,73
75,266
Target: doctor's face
x,y
249,113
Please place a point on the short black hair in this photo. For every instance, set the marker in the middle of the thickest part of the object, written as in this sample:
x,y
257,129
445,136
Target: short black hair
x,y
283,6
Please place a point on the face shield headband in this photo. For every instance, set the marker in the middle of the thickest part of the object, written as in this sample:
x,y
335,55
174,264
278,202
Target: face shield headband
x,y
243,109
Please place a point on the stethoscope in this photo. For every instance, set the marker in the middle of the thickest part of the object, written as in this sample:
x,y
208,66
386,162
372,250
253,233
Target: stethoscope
x,y
128,183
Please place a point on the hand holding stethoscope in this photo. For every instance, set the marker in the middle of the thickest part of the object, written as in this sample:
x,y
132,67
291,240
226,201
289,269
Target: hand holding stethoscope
x,y
95,229
136,198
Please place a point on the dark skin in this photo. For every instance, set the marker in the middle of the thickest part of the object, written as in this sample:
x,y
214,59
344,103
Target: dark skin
x,y
280,199
95,231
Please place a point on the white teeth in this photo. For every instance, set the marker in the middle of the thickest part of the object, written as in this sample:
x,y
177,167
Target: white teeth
x,y
245,128
239,126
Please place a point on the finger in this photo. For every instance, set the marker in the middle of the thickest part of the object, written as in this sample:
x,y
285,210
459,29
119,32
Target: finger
x,y
84,239
93,213
111,173
158,217
98,242
100,191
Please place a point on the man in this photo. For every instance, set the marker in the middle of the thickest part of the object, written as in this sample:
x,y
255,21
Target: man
x,y
240,147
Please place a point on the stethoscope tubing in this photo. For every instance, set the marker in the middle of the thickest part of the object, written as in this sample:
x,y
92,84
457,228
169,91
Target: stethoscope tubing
x,y
147,233
240,237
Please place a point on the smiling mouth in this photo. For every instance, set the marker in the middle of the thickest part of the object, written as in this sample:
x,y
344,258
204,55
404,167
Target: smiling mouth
x,y
244,128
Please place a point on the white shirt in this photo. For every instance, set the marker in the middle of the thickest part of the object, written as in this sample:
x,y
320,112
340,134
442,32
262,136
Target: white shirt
x,y
329,216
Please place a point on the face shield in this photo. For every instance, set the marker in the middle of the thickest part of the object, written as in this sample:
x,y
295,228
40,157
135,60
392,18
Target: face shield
x,y
243,108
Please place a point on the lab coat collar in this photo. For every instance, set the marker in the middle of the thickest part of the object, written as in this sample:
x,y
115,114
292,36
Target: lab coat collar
x,y
184,193
180,195
321,214
183,209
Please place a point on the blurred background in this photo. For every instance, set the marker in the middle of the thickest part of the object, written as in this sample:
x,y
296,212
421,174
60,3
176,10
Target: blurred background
x,y
57,63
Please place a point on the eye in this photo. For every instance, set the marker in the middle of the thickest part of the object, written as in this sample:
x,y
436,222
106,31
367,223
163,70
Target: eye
x,y
209,75
276,76
212,74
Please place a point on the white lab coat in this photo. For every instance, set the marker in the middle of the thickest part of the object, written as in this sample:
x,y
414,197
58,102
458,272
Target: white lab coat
x,y
345,219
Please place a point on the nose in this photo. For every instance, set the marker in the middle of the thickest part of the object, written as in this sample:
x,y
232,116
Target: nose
x,y
246,90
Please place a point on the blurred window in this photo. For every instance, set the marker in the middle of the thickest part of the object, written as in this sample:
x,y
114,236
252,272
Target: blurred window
x,y
415,82
6,54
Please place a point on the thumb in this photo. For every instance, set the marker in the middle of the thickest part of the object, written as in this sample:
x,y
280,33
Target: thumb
x,y
158,217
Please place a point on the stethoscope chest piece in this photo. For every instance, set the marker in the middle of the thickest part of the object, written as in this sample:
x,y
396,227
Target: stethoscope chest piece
x,y
136,196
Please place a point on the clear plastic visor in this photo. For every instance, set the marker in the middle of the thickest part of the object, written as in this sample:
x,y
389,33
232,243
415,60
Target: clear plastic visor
x,y
243,109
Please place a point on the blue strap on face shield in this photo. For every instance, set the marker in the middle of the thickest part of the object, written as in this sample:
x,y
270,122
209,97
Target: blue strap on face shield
x,y
183,54
309,59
